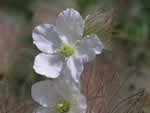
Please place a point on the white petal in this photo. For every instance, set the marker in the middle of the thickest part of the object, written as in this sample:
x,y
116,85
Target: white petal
x,y
88,48
84,53
44,93
48,65
69,25
46,38
79,104
67,77
68,90
49,92
94,43
64,89
43,110
74,68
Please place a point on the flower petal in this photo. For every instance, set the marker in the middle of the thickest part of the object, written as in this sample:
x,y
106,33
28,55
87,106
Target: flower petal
x,y
74,68
49,92
44,93
48,65
46,38
79,108
43,110
94,43
69,25
65,89
88,48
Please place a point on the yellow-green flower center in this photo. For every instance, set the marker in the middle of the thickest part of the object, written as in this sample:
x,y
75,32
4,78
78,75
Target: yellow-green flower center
x,y
63,106
67,50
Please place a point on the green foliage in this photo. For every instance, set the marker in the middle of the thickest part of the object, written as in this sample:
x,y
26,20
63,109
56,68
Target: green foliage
x,y
137,34
22,75
16,4
21,72
139,27
83,5
21,7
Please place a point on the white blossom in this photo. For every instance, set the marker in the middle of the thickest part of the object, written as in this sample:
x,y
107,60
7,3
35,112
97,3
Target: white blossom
x,y
63,47
58,97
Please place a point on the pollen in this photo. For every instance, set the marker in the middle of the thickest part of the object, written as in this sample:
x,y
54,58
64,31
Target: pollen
x,y
63,106
67,50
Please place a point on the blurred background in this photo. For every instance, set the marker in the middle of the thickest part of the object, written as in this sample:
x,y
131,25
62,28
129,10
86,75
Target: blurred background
x,y
128,41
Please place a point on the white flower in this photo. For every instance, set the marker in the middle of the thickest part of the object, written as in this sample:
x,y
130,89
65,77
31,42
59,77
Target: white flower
x,y
58,97
62,46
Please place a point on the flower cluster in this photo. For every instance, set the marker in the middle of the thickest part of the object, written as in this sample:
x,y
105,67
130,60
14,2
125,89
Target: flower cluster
x,y
63,52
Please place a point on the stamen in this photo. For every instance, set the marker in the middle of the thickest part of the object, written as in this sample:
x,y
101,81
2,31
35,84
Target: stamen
x,y
63,106
67,50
